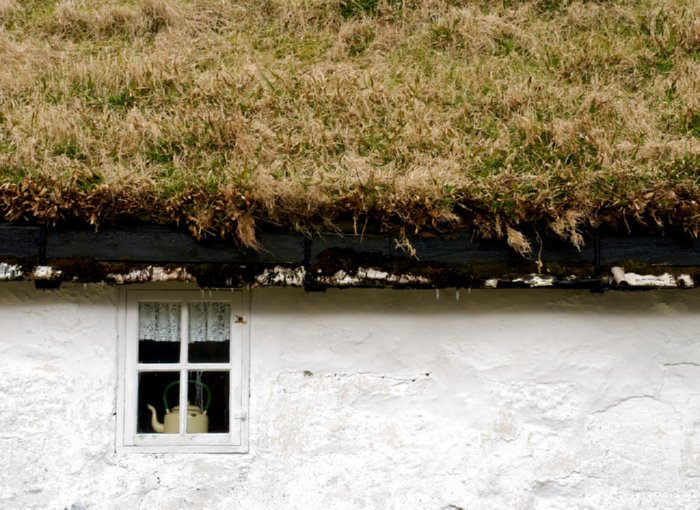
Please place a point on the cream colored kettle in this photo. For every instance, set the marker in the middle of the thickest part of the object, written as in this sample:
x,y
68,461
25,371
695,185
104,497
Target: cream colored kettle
x,y
197,419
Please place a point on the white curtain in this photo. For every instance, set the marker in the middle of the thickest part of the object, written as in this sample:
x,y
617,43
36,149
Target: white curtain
x,y
209,322
159,322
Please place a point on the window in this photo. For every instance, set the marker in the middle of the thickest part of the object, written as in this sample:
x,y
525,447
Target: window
x,y
184,349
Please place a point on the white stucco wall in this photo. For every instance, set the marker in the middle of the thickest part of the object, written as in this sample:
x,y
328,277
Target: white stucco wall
x,y
376,399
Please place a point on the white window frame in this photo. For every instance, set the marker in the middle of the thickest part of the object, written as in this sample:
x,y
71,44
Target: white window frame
x,y
236,440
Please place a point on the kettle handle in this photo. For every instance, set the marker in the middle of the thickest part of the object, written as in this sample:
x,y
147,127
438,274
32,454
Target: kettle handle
x,y
191,381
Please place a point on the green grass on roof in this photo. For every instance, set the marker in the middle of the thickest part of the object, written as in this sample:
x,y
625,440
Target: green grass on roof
x,y
308,113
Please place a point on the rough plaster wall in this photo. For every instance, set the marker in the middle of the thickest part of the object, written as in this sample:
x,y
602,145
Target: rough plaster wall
x,y
376,399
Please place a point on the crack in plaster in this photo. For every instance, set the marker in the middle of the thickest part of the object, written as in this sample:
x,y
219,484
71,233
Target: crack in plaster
x,y
390,378
682,364
626,399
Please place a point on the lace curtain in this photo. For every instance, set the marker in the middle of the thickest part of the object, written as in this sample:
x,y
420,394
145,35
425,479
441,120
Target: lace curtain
x,y
159,322
209,322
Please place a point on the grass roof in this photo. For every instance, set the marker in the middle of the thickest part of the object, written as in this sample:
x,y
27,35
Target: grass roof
x,y
404,114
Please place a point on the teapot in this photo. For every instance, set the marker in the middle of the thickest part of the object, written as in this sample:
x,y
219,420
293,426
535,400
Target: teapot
x,y
197,419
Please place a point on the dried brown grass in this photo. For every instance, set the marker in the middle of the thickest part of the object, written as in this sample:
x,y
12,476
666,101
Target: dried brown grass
x,y
77,19
312,113
8,7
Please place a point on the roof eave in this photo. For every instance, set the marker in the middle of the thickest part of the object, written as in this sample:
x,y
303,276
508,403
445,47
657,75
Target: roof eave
x,y
140,254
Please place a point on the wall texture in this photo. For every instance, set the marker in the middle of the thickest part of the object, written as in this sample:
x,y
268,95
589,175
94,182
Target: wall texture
x,y
376,399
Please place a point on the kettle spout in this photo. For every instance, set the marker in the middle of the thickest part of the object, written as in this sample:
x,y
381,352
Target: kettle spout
x,y
157,426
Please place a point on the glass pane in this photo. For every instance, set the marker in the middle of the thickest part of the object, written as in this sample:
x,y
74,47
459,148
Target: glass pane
x,y
208,391
159,332
152,386
209,332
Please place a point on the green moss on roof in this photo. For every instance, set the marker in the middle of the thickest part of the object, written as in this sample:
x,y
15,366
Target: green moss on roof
x,y
414,114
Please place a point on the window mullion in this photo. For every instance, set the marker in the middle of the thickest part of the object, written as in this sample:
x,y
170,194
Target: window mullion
x,y
184,339
233,409
170,367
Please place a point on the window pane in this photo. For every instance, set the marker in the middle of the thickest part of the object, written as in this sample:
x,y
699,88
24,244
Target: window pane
x,y
209,332
201,386
159,332
152,386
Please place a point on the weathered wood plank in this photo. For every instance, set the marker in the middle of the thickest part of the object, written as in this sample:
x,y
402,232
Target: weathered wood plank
x,y
155,244
370,244
650,250
554,250
161,245
461,250
457,249
20,241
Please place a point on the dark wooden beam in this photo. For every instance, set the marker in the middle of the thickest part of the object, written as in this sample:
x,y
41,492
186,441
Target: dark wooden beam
x,y
459,249
162,245
20,242
663,251
372,244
